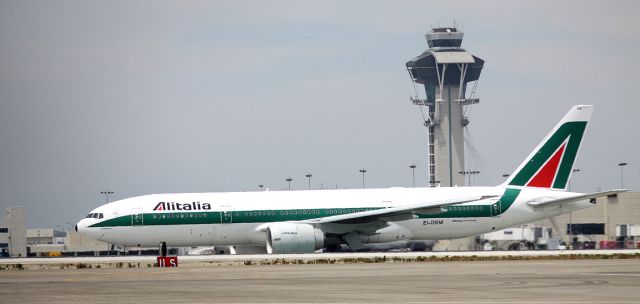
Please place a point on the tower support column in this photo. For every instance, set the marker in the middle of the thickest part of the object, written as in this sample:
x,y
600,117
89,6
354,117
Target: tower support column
x,y
444,70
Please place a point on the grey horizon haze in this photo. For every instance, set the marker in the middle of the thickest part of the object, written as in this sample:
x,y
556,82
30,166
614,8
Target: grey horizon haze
x,y
212,96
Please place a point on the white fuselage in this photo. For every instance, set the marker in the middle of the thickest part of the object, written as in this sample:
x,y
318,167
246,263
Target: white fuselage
x,y
235,218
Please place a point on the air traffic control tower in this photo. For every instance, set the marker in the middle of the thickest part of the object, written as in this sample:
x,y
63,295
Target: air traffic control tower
x,y
445,69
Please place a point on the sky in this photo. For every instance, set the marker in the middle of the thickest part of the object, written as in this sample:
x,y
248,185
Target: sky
x,y
141,97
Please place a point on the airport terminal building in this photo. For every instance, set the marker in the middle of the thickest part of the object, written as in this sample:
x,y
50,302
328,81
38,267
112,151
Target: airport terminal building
x,y
613,218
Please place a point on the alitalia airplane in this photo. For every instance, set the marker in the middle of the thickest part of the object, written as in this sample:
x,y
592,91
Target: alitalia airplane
x,y
306,221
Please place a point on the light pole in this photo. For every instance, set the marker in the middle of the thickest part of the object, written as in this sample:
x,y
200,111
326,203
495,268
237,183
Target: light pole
x,y
308,176
622,164
469,173
289,181
574,171
571,213
106,194
413,174
363,171
260,186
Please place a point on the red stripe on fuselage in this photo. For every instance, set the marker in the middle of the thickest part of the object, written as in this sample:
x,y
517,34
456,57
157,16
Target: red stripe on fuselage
x,y
544,177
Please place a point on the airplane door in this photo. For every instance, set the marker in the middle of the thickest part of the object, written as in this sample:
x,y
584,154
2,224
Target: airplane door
x,y
495,207
225,214
136,217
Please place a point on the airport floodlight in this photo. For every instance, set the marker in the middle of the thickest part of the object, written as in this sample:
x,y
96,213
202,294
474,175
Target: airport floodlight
x,y
363,171
622,164
308,176
571,213
573,171
468,173
413,174
289,181
106,194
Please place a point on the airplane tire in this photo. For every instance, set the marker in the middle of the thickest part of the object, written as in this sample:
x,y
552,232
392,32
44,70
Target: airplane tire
x,y
332,248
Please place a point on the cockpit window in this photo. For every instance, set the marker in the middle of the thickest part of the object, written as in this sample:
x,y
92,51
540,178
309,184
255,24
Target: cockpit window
x,y
95,215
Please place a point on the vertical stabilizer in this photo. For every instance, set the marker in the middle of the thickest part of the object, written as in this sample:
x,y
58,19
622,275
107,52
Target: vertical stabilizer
x,y
550,164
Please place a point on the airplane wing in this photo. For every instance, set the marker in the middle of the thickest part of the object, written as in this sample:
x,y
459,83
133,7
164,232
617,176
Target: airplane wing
x,y
573,199
394,213
384,215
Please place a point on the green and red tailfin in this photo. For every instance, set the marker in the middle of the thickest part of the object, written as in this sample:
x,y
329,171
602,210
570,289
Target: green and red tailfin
x,y
550,164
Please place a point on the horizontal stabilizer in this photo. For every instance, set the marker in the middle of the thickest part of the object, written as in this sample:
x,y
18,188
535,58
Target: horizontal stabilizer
x,y
575,198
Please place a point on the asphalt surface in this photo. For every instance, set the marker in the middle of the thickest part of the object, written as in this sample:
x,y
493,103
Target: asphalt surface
x,y
556,281
227,259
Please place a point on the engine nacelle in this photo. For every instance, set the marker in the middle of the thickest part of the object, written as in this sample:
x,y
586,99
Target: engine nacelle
x,y
293,238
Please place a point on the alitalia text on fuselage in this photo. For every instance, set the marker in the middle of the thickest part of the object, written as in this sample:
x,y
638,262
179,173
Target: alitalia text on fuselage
x,y
162,206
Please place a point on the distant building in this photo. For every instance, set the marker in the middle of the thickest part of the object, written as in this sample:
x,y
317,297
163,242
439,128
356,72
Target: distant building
x,y
13,233
45,236
78,242
49,242
611,219
613,222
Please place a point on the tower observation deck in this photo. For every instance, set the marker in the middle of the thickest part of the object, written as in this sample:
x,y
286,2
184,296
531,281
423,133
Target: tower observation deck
x,y
445,69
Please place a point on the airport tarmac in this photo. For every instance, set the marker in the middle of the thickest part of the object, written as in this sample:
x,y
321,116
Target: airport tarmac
x,y
548,281
312,258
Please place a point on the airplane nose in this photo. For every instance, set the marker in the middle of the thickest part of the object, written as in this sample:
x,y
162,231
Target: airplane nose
x,y
80,226
84,228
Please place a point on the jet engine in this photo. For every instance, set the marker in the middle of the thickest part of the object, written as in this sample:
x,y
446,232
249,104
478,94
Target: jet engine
x,y
293,238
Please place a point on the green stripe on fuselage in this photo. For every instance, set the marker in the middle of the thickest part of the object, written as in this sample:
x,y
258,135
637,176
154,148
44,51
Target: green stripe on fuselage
x,y
459,211
216,217
266,216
